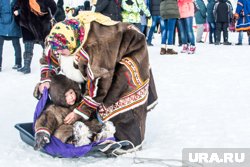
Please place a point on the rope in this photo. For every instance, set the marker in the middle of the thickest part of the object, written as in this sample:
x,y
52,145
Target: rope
x,y
166,162
142,160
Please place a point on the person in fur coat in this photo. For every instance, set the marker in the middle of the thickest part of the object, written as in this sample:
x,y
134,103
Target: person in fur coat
x,y
34,18
115,66
64,94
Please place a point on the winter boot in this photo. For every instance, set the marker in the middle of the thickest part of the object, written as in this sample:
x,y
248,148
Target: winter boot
x,y
191,49
163,51
27,56
184,48
41,139
17,66
227,43
217,43
26,67
171,52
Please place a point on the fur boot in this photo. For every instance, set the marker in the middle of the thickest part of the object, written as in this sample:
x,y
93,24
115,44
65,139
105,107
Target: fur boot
x,y
82,134
41,139
108,131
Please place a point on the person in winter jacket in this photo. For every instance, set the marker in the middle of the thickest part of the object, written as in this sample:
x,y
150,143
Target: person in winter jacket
x,y
223,15
200,18
132,11
169,11
242,15
9,30
110,8
241,19
112,58
154,7
144,21
211,21
186,8
35,21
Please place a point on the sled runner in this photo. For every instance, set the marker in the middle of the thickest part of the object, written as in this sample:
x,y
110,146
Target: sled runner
x,y
98,150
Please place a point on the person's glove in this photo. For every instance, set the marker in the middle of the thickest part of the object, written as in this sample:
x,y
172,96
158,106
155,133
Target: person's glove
x,y
41,139
129,2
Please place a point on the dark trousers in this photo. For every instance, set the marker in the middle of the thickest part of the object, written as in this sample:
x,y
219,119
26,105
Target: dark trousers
x,y
221,26
212,36
177,26
28,52
17,48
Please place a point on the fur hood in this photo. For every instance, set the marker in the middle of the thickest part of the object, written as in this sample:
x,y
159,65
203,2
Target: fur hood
x,y
59,85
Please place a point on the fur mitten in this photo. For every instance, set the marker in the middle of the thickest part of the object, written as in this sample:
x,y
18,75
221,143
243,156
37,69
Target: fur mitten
x,y
36,92
41,139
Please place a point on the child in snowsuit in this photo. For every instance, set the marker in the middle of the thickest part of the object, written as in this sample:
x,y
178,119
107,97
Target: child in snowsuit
x,y
65,94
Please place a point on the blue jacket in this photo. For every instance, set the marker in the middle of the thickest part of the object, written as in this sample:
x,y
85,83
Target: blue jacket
x,y
243,12
200,14
8,25
210,8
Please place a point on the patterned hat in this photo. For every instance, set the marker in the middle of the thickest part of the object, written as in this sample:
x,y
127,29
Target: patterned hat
x,y
67,34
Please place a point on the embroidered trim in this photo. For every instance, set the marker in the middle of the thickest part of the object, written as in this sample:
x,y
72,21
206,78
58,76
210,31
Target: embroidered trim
x,y
86,56
126,103
90,102
81,114
132,67
132,99
43,129
92,82
92,87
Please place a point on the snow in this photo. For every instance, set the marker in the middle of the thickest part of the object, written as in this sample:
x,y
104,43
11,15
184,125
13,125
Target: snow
x,y
203,103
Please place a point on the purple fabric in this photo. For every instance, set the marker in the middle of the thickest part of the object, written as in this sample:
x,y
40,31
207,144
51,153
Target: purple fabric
x,y
40,105
56,147
60,149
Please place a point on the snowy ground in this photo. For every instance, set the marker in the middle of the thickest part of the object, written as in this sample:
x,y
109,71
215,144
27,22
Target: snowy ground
x,y
203,103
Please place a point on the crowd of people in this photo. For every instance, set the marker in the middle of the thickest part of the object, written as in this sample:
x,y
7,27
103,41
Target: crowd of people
x,y
20,19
